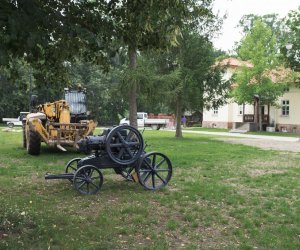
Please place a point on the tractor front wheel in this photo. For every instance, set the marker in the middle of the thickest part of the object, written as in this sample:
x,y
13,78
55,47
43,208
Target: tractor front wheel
x,y
24,137
33,143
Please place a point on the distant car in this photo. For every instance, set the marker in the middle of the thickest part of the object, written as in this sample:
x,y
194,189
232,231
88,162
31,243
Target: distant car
x,y
143,121
11,122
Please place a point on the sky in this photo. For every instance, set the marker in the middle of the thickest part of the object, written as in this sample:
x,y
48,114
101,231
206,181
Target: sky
x,y
235,9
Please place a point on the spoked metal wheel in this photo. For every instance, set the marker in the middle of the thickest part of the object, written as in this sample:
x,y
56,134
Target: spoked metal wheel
x,y
88,180
154,171
71,167
124,145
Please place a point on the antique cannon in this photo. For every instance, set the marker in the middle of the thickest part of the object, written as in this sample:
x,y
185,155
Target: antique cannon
x,y
121,148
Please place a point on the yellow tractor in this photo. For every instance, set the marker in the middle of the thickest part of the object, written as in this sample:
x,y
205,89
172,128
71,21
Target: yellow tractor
x,y
60,123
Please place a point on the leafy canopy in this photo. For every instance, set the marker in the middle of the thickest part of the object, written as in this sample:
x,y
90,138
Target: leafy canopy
x,y
293,54
260,47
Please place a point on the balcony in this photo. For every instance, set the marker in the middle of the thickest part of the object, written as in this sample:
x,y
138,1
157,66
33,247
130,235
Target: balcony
x,y
250,118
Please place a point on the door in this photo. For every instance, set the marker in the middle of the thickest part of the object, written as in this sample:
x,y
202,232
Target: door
x,y
140,119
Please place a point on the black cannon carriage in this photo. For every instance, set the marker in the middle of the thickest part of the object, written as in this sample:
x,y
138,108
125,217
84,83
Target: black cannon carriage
x,y
123,149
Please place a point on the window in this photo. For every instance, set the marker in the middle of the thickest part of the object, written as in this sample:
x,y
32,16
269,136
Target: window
x,y
285,107
240,110
139,116
215,111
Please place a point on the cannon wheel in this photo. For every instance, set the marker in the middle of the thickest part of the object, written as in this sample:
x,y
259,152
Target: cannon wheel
x,y
71,166
88,180
124,148
154,170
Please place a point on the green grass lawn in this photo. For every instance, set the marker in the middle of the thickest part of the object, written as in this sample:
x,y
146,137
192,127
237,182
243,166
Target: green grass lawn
x,y
206,129
221,196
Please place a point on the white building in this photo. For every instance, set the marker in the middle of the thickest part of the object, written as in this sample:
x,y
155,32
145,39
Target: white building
x,y
285,117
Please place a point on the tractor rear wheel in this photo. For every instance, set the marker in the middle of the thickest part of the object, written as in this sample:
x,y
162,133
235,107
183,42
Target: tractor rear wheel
x,y
33,143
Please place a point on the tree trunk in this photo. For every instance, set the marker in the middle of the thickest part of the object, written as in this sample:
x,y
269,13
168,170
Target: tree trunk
x,y
257,118
255,112
268,114
132,95
178,116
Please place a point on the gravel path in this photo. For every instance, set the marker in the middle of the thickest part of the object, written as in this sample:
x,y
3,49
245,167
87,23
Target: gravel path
x,y
282,143
265,144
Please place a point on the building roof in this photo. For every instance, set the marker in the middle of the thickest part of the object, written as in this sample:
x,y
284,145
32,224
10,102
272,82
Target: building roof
x,y
233,63
279,75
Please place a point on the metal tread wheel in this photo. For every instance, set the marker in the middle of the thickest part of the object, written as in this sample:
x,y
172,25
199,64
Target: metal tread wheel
x,y
88,180
154,170
124,145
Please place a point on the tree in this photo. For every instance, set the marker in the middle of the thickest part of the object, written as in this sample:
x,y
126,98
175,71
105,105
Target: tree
x,y
271,20
152,24
105,100
188,79
260,47
47,33
50,32
148,80
14,89
292,55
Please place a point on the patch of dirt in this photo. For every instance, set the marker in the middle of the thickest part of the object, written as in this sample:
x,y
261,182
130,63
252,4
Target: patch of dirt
x,y
11,130
275,163
265,144
259,172
60,162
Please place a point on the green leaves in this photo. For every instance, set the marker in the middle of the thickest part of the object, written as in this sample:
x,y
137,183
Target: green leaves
x,y
260,46
292,55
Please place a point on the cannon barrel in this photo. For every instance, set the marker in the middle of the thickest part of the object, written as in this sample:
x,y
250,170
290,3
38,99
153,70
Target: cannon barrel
x,y
96,142
91,143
